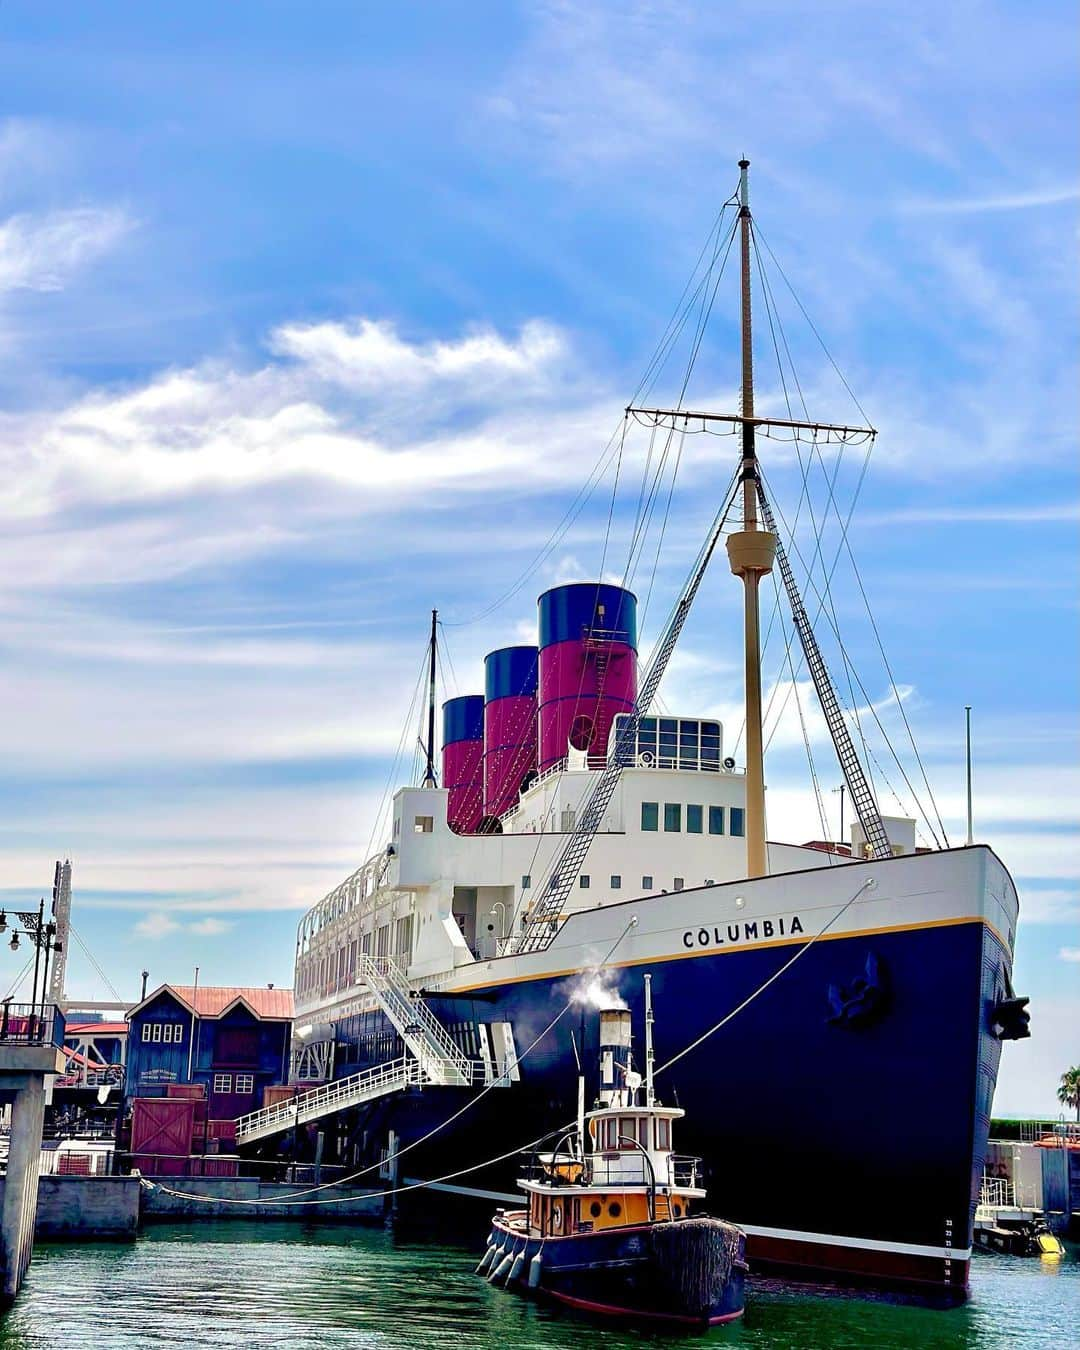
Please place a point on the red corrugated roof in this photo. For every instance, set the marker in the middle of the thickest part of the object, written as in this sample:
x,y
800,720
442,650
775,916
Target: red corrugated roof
x,y
211,1001
98,1028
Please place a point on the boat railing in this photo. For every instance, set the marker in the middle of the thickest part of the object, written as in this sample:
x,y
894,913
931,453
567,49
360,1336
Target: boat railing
x,y
684,1170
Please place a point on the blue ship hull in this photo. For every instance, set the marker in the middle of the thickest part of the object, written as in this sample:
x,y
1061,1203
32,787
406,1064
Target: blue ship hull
x,y
843,1115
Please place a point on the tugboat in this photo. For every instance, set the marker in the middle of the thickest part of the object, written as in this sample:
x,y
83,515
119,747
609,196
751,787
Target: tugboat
x,y
610,1224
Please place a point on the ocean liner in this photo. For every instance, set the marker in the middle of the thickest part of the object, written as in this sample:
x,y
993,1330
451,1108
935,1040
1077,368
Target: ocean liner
x,y
833,1015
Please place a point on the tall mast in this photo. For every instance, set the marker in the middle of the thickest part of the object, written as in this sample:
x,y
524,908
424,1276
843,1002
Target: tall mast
x,y
751,554
429,772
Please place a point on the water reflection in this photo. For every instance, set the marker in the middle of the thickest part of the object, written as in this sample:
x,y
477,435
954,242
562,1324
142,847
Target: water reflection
x,y
242,1284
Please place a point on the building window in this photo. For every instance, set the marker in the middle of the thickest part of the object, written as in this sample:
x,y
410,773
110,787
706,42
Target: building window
x,y
526,882
223,1082
672,817
716,820
616,882
245,1082
646,883
156,1036
650,815
583,882
423,824
737,819
693,819
146,1026
678,883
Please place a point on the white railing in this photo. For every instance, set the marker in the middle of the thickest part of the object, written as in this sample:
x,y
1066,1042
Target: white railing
x,y
315,1102
996,1193
417,1025
378,1081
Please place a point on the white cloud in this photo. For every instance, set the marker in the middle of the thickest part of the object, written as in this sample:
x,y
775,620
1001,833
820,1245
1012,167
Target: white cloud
x,y
209,927
1005,201
1069,954
41,253
156,925
369,356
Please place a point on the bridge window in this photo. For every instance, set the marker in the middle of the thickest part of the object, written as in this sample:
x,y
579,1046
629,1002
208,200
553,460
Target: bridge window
x,y
584,881
672,817
693,819
716,820
526,882
672,743
737,818
663,1133
616,881
646,883
423,824
678,884
650,815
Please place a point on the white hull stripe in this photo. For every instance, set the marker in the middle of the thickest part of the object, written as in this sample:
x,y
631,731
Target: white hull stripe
x,y
785,1234
464,1190
865,1244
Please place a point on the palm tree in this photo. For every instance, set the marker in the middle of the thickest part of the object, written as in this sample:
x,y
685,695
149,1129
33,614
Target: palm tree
x,y
1069,1091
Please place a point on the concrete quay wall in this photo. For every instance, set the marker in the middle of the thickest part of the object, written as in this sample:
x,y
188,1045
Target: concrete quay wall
x,y
215,1193
87,1208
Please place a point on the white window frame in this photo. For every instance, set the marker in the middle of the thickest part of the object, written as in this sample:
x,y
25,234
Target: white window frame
x,y
223,1082
156,1035
146,1032
244,1082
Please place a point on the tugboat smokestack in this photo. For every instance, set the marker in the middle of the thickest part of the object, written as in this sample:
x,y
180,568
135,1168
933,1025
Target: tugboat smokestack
x,y
614,1055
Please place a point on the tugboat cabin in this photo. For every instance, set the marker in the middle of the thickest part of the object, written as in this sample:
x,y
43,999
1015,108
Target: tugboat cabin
x,y
618,1168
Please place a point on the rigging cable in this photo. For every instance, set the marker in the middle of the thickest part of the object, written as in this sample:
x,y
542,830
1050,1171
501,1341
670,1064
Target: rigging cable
x,y
870,706
866,886
93,961
489,1087
672,332
773,313
297,1198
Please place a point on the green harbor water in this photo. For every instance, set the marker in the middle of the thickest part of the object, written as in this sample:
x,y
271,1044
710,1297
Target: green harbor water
x,y
243,1284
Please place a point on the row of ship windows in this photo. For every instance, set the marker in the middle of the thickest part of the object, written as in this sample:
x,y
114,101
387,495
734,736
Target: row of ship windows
x,y
337,970
614,883
695,818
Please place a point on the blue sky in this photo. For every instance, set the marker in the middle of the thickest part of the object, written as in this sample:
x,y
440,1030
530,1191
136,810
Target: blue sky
x,y
314,317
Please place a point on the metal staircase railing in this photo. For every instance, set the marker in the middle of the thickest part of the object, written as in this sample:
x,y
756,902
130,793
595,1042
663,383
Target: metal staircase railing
x,y
861,793
364,1086
368,1085
423,1033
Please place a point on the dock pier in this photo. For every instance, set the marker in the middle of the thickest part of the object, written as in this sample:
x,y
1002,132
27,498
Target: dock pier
x,y
31,1037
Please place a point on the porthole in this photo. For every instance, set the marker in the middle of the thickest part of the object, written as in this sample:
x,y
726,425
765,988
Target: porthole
x,y
596,1209
614,1209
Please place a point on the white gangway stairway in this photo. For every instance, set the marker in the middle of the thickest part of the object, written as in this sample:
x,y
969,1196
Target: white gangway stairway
x,y
433,1059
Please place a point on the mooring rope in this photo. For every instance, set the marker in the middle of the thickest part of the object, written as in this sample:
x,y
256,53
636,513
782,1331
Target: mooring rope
x,y
296,1198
